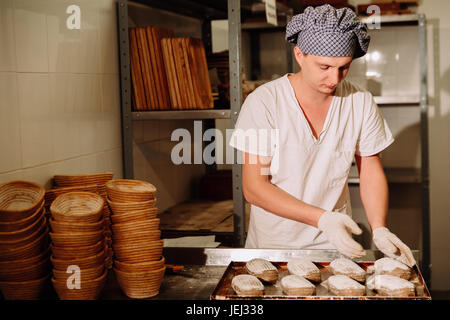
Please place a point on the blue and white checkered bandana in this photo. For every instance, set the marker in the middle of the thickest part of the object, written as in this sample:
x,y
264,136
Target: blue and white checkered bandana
x,y
329,32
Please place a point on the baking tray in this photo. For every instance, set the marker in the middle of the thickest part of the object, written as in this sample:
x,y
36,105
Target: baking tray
x,y
223,290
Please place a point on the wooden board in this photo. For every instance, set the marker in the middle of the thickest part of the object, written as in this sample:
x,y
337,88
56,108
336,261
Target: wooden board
x,y
200,215
157,34
204,84
146,72
170,72
136,78
193,63
154,69
195,215
189,72
180,70
223,290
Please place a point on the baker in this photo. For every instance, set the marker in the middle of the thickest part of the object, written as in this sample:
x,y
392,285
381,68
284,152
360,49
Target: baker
x,y
309,127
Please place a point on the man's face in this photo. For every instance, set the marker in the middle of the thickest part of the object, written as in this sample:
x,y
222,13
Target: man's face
x,y
323,73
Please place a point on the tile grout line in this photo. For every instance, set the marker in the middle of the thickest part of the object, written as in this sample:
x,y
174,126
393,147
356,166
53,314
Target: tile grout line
x,y
59,161
16,78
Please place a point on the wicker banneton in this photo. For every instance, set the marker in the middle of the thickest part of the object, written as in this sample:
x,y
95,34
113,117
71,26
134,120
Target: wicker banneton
x,y
94,183
139,285
139,267
52,194
25,290
134,216
23,233
28,250
87,262
85,273
32,271
6,245
90,289
126,207
73,227
127,190
20,224
71,180
76,239
25,266
20,263
84,207
136,252
19,199
130,237
136,226
77,252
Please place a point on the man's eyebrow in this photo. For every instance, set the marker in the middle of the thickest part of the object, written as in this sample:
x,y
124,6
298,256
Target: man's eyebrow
x,y
327,65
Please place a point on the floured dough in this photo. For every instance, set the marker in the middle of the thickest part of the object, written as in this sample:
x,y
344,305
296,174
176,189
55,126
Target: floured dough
x,y
295,285
348,268
262,269
392,267
341,285
305,268
247,285
387,285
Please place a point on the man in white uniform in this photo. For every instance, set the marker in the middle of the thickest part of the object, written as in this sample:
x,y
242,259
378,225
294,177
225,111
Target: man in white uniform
x,y
310,125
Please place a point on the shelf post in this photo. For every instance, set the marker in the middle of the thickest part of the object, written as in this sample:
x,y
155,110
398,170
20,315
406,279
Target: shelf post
x,y
125,89
425,252
234,41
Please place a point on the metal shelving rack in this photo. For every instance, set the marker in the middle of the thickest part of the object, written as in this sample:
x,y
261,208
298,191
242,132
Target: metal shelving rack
x,y
206,11
413,175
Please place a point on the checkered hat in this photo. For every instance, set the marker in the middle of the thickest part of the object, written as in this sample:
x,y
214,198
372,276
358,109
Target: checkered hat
x,y
330,32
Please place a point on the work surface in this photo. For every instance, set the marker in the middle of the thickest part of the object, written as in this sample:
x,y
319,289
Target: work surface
x,y
203,268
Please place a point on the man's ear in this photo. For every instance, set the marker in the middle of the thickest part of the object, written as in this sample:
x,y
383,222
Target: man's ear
x,y
299,56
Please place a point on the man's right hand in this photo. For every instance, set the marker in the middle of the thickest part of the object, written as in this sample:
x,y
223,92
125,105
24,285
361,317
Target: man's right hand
x,y
338,228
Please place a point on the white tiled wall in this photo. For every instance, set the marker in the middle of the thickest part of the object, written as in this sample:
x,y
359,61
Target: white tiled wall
x,y
392,62
152,161
59,89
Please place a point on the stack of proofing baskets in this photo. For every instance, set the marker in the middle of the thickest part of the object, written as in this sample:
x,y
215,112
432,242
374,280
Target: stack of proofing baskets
x,y
138,261
95,183
25,267
78,245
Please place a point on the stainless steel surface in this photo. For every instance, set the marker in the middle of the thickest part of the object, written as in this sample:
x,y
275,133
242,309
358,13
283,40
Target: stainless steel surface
x,y
234,42
220,256
184,114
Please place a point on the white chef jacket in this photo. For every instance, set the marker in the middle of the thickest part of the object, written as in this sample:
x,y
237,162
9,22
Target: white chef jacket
x,y
312,170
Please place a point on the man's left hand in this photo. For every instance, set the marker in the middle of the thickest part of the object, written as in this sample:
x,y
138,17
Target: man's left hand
x,y
392,246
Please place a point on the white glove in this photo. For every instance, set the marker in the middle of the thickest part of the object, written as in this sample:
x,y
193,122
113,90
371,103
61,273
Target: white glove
x,y
392,246
338,227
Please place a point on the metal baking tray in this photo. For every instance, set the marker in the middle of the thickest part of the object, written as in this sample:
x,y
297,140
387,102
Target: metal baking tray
x,y
223,290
